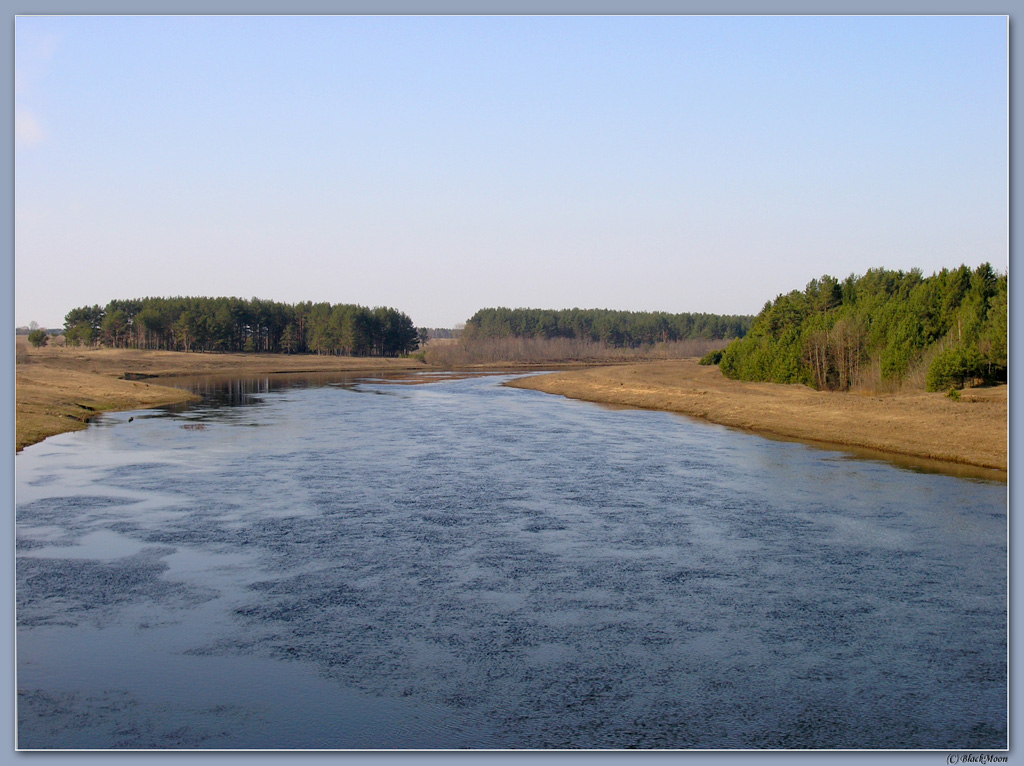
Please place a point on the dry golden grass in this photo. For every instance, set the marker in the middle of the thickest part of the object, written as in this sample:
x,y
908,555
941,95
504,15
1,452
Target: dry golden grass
x,y
50,401
930,426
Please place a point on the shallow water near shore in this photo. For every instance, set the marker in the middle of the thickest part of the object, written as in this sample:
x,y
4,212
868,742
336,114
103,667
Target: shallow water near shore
x,y
337,563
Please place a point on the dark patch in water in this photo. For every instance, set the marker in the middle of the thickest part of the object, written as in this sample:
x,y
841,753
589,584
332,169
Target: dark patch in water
x,y
64,591
117,720
57,509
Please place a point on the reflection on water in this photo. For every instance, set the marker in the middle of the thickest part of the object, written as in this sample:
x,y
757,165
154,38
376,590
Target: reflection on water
x,y
460,564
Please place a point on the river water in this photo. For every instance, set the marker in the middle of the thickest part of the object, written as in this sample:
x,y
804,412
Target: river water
x,y
346,564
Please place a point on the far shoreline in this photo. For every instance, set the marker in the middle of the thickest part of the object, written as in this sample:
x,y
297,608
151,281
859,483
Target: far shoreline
x,y
61,389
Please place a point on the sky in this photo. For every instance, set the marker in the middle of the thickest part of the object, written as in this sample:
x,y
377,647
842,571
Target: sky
x,y
441,164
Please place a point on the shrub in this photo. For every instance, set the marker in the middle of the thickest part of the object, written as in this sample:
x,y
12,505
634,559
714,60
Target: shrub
x,y
712,357
38,338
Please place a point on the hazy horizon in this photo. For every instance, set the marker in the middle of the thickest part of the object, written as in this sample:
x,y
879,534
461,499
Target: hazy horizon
x,y
440,164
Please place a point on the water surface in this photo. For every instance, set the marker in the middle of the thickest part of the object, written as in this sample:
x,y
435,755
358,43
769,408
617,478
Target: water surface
x,y
460,564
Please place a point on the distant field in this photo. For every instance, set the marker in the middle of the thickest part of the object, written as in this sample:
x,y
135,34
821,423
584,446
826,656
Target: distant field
x,y
539,351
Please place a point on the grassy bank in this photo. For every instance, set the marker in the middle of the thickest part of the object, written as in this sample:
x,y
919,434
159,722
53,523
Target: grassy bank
x,y
970,432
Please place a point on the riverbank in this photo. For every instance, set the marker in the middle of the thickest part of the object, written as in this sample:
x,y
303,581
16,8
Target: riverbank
x,y
929,426
60,389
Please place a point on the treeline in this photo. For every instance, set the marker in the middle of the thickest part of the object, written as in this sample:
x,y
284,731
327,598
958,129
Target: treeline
x,y
617,329
440,333
238,325
880,330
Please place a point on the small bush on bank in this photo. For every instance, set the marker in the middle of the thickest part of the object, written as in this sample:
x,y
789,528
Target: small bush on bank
x,y
712,357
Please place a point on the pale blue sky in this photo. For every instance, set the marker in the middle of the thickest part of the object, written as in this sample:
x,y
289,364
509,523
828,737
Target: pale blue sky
x,y
444,164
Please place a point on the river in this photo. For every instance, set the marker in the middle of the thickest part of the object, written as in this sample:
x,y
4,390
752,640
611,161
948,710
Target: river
x,y
342,563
